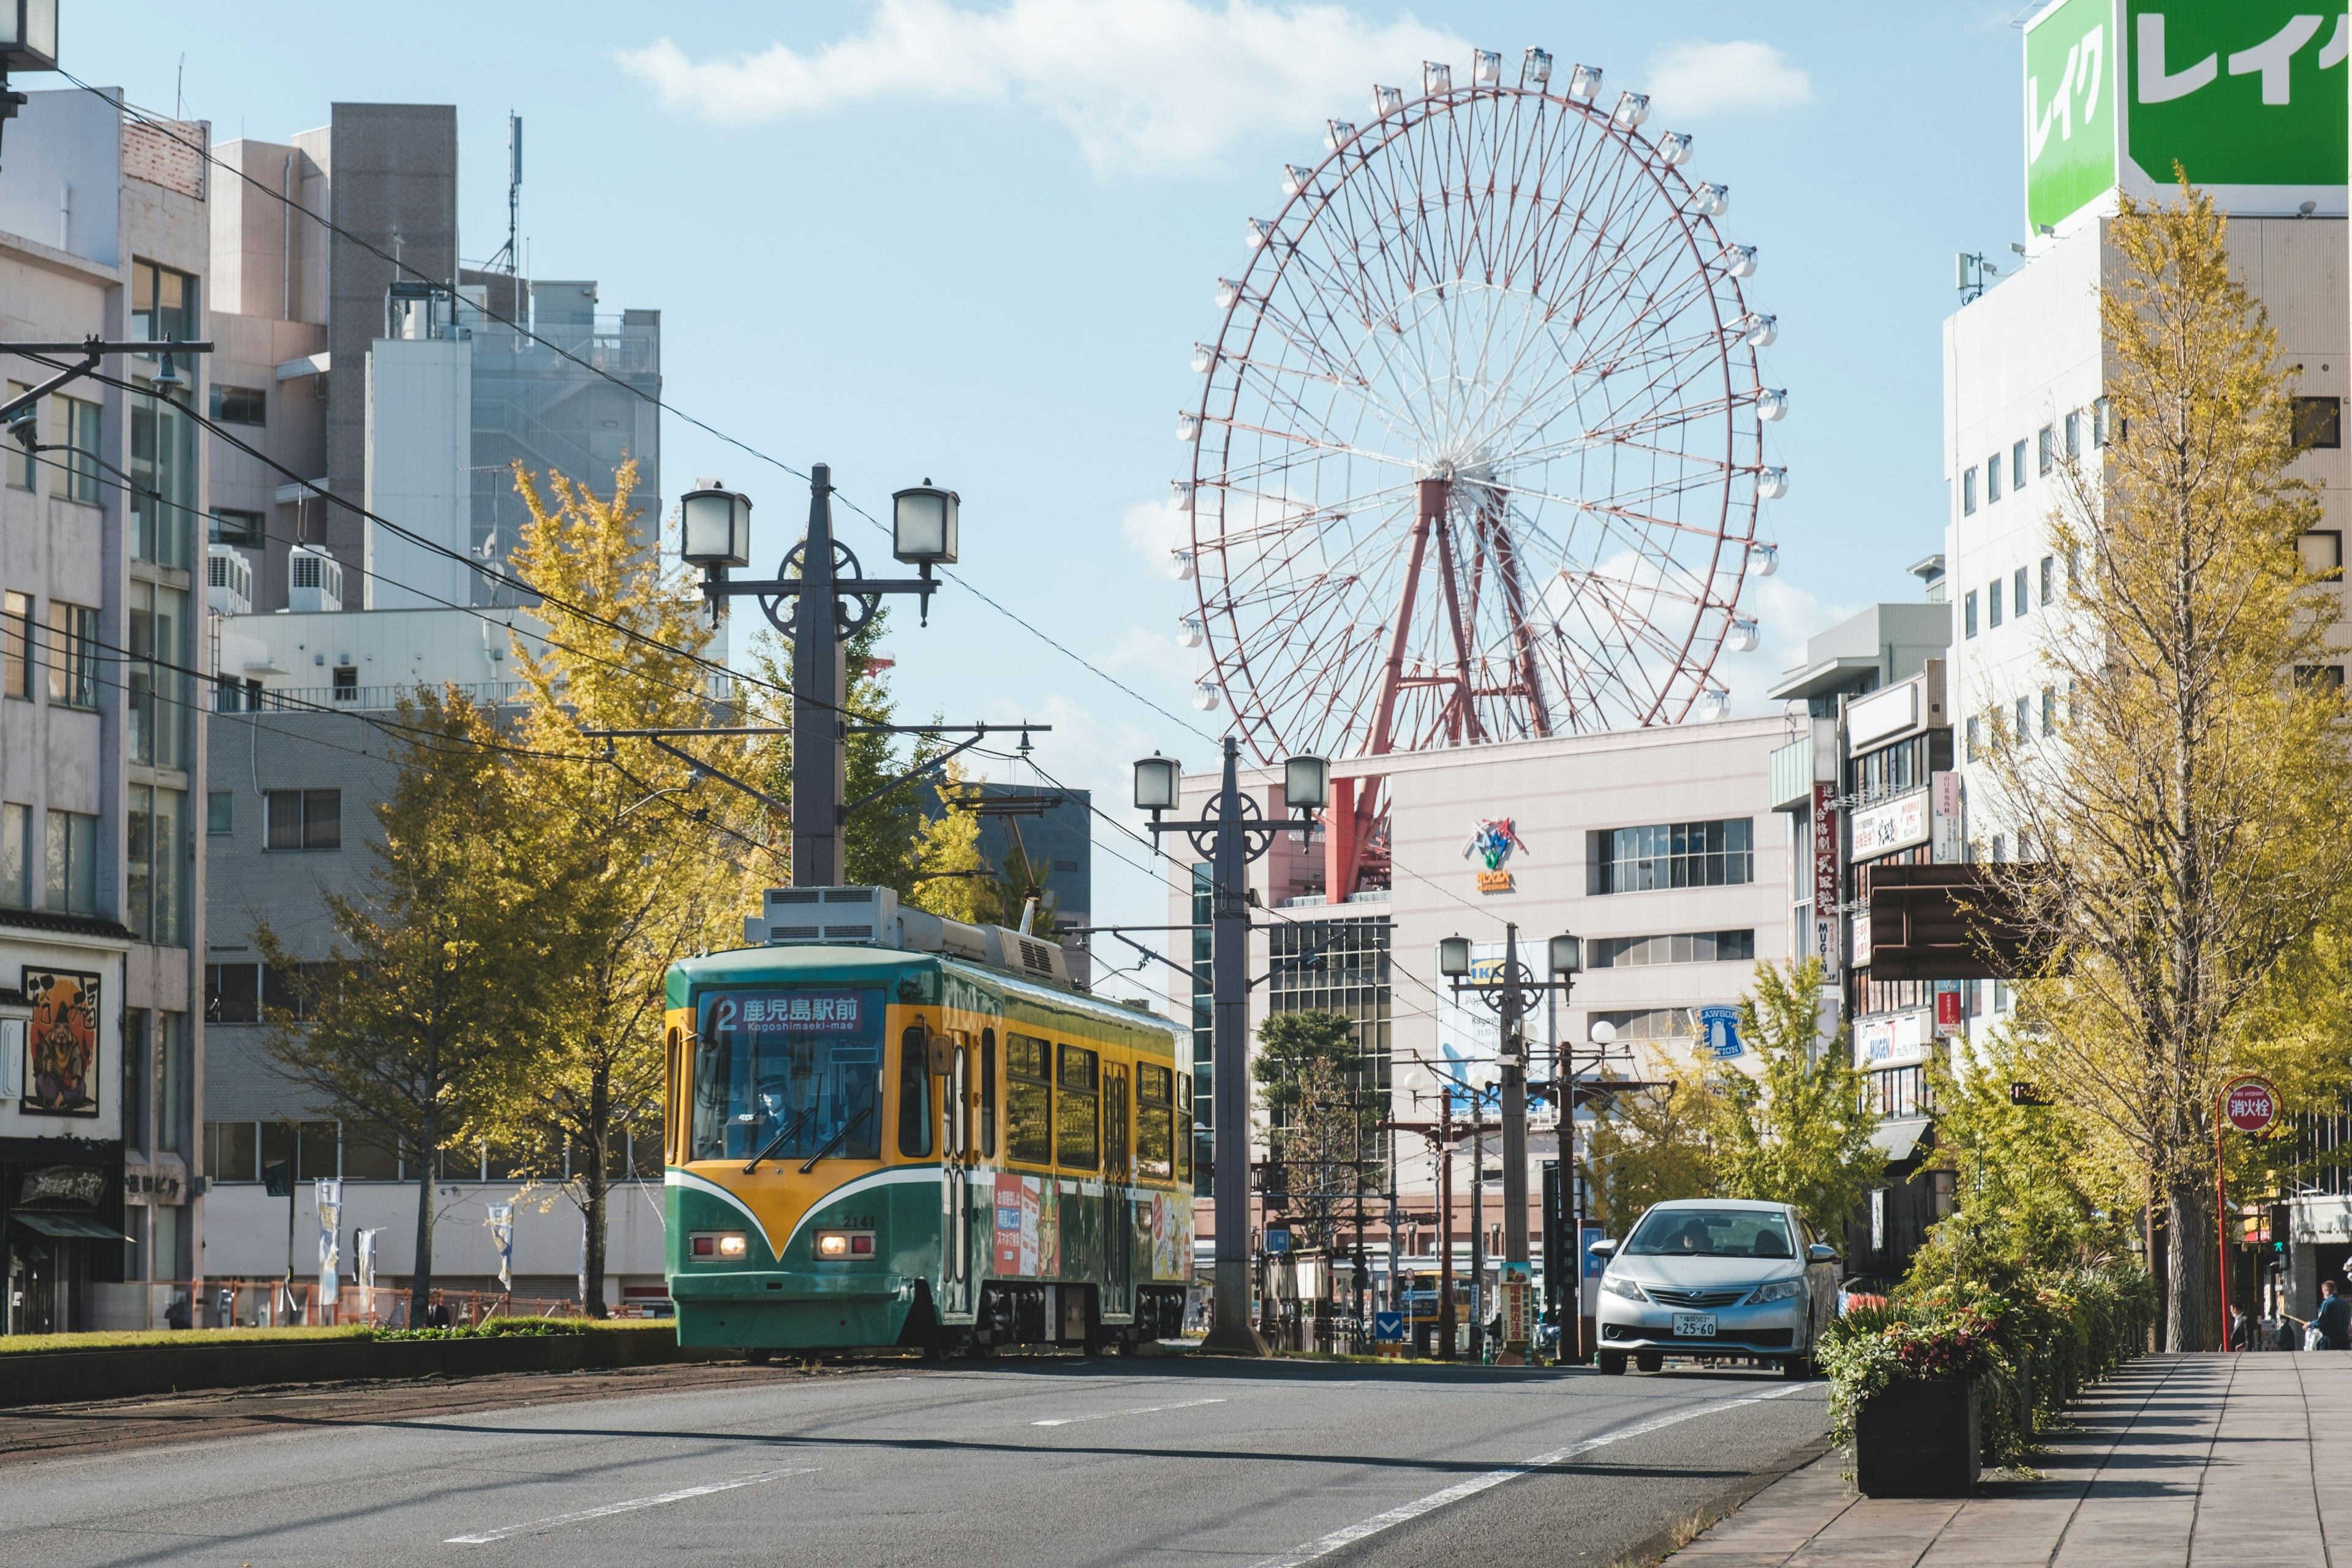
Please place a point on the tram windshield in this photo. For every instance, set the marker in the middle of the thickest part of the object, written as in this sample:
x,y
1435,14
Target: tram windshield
x,y
806,1064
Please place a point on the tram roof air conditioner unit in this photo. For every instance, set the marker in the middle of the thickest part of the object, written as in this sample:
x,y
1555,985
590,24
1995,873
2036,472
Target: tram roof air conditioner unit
x,y
871,917
314,581
228,580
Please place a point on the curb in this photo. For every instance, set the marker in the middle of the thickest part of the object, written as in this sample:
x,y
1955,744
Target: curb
x,y
56,1377
1659,1545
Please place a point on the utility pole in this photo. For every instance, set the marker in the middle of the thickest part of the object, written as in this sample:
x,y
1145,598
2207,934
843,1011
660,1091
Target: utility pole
x,y
1229,839
1508,994
820,772
1477,1229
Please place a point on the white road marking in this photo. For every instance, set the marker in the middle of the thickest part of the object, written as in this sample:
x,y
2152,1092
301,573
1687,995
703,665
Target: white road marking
x,y
1348,1535
631,1506
1144,1410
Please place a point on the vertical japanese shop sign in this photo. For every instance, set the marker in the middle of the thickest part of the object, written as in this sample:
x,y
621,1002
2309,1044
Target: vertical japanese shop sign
x,y
1825,876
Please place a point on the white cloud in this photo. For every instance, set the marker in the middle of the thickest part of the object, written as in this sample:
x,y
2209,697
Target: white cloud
x,y
1154,528
1695,78
1142,85
1785,615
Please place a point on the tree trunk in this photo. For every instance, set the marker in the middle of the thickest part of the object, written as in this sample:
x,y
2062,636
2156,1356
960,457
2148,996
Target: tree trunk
x,y
420,1278
594,1210
2191,1302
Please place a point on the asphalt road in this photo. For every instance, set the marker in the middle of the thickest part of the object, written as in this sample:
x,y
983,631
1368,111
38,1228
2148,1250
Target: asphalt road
x,y
1045,1462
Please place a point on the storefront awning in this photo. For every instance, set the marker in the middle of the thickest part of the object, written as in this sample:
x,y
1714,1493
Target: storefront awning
x,y
67,1226
1898,1141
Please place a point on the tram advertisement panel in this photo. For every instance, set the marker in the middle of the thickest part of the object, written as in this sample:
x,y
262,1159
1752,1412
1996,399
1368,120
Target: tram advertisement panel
x,y
1028,1226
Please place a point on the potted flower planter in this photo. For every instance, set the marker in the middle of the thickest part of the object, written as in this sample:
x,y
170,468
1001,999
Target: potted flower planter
x,y
1917,1439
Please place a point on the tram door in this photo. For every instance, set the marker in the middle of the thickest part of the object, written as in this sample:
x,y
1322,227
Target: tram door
x,y
1118,1202
955,1183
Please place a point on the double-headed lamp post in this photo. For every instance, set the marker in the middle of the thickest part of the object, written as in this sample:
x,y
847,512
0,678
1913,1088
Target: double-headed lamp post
x,y
1232,834
1509,993
832,599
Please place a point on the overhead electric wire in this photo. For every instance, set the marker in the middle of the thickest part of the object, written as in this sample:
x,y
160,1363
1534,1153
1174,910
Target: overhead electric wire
x,y
163,128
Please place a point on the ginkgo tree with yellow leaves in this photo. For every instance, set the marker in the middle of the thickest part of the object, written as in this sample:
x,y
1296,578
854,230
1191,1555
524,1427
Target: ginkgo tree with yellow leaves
x,y
2187,851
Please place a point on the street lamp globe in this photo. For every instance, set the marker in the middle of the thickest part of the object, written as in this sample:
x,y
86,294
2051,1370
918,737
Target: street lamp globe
x,y
28,36
1454,957
923,525
1307,782
1157,781
1603,1032
1567,955
714,526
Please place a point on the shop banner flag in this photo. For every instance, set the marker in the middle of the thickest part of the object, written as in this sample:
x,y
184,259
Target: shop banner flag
x,y
502,1238
330,1221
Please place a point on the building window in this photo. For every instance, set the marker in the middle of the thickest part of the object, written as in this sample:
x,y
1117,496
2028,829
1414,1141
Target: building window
x,y
2017,466
2049,709
162,480
1677,855
2319,422
1992,478
302,819
1683,947
81,444
2100,434
1648,1024
73,863
2074,433
2000,855
2330,676
220,811
2017,592
154,677
2045,454
138,1074
154,852
232,1152
1993,603
240,404
232,994
2049,578
2024,718
1968,493
1969,612
1971,744
16,646
2323,553
73,655
162,304
20,459
17,855
231,526
1336,966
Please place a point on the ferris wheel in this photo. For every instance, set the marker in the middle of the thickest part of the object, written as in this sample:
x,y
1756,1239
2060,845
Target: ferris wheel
x,y
1479,448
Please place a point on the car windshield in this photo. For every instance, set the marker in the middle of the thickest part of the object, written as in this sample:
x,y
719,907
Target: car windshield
x,y
1711,1233
805,1062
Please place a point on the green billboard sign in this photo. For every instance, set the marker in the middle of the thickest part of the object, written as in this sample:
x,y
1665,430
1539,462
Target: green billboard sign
x,y
2248,96
2070,109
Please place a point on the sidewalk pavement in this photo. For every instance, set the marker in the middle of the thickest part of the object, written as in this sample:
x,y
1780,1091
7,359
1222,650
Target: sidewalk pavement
x,y
2189,1459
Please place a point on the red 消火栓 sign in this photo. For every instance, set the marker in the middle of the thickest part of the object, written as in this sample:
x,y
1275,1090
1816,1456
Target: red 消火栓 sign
x,y
2249,1104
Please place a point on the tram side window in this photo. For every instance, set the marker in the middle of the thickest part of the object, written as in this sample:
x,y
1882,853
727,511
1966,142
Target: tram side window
x,y
1077,1142
1155,1123
1028,1100
1184,1139
914,1093
988,1092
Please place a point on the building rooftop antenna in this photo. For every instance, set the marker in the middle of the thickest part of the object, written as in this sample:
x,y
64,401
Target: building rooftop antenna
x,y
512,252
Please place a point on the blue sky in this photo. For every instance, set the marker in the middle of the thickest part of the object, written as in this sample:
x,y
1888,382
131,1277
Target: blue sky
x,y
975,242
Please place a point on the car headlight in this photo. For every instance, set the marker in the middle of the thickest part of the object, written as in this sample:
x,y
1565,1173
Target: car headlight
x,y
1618,1285
1778,1290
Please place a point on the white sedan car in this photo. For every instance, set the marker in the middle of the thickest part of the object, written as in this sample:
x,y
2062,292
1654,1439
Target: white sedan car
x,y
1723,1279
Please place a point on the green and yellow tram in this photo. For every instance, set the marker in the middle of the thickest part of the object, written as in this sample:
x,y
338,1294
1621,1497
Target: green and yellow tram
x,y
906,1139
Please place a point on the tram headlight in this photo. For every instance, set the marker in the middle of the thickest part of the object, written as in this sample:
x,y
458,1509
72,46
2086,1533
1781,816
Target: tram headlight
x,y
844,1244
734,1246
719,1245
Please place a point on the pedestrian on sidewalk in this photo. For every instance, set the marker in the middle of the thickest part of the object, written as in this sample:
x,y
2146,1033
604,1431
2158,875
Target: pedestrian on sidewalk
x,y
2332,1321
2241,1330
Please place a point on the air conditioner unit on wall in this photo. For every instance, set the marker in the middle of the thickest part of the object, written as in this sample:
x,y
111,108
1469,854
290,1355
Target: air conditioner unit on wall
x,y
228,580
314,581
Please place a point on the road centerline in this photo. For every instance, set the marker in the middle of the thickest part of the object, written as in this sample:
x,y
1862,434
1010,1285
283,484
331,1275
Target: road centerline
x,y
1139,1410
630,1506
1349,1534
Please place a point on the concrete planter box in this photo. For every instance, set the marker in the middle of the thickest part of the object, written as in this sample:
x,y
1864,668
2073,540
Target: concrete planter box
x,y
1919,1439
49,1377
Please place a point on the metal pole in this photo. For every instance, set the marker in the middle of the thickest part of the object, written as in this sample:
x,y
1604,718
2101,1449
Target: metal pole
x,y
1446,1320
820,757
1478,1228
2221,1225
1229,1068
1515,1146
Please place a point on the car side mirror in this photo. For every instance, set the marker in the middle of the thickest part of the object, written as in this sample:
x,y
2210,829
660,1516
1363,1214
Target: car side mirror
x,y
1821,1252
1604,1248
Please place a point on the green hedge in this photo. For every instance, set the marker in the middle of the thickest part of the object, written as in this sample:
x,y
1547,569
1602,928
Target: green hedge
x,y
2033,1341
